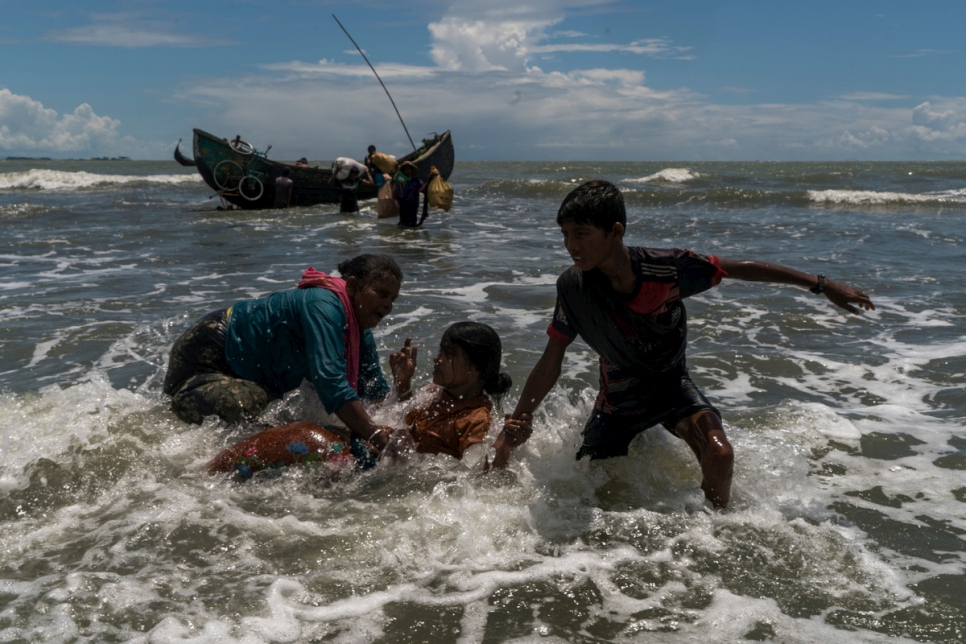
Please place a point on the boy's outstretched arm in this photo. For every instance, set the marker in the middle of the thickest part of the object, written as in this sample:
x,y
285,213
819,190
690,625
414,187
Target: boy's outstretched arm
x,y
841,295
541,380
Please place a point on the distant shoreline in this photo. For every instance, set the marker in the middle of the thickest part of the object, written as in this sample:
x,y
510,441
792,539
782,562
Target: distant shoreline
x,y
50,159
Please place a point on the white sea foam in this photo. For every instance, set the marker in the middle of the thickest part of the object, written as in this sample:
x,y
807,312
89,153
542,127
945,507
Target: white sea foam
x,y
872,198
840,504
449,538
61,180
668,175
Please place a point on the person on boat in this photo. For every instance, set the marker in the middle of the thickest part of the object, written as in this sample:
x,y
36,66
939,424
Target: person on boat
x,y
301,163
348,174
627,304
283,189
446,417
236,360
407,186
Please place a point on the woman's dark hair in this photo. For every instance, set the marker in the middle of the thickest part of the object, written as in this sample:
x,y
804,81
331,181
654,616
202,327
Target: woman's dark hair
x,y
370,268
482,347
596,203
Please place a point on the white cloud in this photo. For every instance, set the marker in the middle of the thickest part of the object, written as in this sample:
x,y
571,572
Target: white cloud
x,y
655,47
871,138
595,113
327,67
926,116
480,46
505,36
872,96
27,126
486,87
131,31
924,52
937,124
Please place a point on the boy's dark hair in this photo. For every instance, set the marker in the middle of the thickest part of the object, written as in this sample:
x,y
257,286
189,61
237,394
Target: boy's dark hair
x,y
369,268
596,203
482,347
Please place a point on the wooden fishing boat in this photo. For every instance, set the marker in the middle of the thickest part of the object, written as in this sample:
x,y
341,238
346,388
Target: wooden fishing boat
x,y
245,177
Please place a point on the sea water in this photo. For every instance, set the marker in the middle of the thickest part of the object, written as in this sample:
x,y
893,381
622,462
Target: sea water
x,y
848,509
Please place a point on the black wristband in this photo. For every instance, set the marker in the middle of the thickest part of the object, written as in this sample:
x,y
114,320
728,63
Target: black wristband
x,y
820,287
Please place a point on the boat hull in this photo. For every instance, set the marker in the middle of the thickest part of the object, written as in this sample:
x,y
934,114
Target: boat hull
x,y
246,179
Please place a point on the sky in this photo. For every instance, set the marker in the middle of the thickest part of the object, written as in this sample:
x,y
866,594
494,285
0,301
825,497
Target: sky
x,y
541,80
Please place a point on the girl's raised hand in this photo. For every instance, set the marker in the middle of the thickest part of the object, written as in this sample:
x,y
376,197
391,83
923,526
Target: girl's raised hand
x,y
403,366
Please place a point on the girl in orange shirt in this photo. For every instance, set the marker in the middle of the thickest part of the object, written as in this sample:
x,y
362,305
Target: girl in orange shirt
x,y
446,417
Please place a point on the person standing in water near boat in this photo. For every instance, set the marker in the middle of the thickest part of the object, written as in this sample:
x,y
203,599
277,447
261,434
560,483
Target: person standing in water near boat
x,y
348,174
283,189
447,417
627,304
406,189
233,362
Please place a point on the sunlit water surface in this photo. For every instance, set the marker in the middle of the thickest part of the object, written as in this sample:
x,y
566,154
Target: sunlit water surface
x,y
849,501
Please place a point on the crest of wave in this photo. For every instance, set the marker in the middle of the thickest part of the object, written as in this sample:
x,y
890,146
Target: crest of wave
x,y
872,198
36,179
668,175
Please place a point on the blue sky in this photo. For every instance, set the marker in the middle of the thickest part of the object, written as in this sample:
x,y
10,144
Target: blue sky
x,y
513,79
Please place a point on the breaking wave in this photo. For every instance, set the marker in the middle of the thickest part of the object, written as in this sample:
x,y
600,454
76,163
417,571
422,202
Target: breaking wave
x,y
668,175
873,198
61,180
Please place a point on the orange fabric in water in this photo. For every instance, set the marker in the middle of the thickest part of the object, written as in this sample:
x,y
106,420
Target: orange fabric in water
x,y
449,425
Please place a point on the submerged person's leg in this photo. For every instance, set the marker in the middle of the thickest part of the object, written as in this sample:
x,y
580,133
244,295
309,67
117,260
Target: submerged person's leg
x,y
349,204
199,350
219,394
672,400
704,434
201,383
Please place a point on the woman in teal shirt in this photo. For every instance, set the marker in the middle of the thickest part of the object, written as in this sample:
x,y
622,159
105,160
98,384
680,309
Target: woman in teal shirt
x,y
234,361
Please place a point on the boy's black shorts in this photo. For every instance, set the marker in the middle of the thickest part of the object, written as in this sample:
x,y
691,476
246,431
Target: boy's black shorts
x,y
663,401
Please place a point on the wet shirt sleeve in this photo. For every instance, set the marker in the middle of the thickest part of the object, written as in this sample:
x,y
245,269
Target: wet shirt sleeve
x,y
372,382
472,428
323,321
561,331
697,273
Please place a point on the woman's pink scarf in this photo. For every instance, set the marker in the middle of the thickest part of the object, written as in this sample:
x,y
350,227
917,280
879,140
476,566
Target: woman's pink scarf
x,y
312,278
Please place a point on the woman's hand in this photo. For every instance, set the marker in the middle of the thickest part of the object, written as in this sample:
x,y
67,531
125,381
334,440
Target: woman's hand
x,y
403,367
379,439
391,443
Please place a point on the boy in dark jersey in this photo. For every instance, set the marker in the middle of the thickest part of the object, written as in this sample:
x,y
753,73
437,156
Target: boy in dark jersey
x,y
626,303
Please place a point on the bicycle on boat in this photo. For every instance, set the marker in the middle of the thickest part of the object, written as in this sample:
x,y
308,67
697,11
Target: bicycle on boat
x,y
232,178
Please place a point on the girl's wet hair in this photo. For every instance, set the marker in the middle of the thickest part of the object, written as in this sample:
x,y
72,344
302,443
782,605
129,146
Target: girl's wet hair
x,y
482,347
370,268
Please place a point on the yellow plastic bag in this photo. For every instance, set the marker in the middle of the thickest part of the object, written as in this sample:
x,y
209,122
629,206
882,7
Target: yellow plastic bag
x,y
438,192
386,205
384,162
